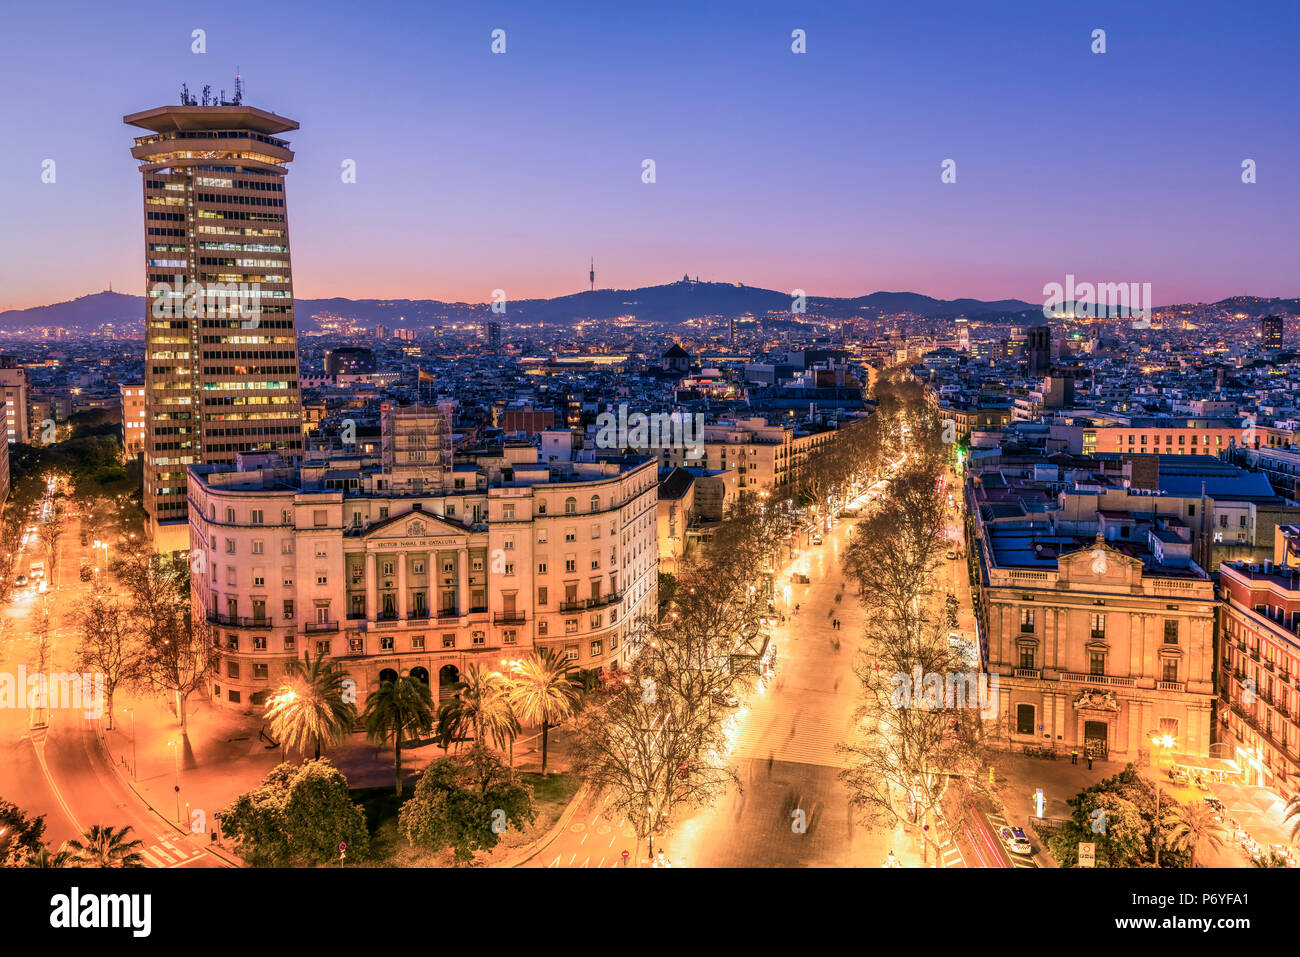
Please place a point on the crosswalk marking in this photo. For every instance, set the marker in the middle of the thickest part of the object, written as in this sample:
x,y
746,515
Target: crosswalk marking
x,y
155,855
951,855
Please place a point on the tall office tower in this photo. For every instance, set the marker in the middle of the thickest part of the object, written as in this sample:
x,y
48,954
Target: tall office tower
x,y
133,418
962,328
494,336
1038,350
4,474
16,388
1271,330
221,350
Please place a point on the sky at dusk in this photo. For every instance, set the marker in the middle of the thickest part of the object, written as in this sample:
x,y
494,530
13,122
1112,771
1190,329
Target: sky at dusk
x,y
818,171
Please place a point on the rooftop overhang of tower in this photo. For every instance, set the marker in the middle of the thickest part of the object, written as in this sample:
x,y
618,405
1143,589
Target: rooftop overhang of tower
x,y
165,119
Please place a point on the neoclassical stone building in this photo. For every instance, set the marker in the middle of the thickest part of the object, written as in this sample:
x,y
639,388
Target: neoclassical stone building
x,y
419,570
1096,644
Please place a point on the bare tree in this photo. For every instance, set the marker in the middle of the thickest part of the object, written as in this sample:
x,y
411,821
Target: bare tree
x,y
50,532
922,729
178,656
109,645
11,536
660,743
648,751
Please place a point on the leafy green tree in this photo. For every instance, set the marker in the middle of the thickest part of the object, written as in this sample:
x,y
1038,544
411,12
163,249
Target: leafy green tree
x,y
103,846
543,692
311,708
667,587
399,709
1291,811
20,835
297,816
465,802
255,820
1117,815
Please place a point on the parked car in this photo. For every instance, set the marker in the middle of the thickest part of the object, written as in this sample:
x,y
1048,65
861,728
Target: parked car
x,y
1178,775
726,699
20,581
1015,840
816,539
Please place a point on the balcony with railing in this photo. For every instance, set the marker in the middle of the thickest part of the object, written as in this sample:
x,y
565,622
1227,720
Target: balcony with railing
x,y
320,626
603,600
509,618
1110,681
239,621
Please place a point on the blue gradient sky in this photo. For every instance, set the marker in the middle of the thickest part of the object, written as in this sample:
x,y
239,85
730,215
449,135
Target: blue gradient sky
x,y
817,171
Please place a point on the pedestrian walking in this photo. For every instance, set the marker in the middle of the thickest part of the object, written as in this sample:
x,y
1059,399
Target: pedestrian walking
x,y
1089,762
1074,756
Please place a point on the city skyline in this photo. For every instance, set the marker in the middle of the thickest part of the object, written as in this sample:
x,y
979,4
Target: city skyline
x,y
693,436
821,171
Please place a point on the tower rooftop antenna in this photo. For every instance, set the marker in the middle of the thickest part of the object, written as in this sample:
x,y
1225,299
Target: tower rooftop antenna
x,y
592,274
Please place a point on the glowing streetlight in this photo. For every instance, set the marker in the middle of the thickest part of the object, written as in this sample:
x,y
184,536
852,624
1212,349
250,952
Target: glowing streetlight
x,y
1163,743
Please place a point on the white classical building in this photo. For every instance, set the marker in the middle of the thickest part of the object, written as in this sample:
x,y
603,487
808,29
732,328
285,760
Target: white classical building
x,y
419,571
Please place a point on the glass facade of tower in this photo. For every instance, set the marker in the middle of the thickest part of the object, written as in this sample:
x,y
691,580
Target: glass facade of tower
x,y
221,369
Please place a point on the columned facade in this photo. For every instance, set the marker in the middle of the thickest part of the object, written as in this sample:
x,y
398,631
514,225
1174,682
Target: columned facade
x,y
1099,652
403,584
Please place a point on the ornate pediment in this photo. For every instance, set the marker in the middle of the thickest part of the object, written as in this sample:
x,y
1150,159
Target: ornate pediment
x,y
416,527
1099,566
1092,699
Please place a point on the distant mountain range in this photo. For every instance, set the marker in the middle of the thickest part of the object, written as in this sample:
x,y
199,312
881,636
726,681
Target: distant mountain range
x,y
668,304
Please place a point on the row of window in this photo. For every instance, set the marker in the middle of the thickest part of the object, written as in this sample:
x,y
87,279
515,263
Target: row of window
x,y
1097,626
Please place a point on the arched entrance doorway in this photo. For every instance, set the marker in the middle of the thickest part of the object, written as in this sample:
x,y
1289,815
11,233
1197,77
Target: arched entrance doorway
x,y
448,675
420,674
388,674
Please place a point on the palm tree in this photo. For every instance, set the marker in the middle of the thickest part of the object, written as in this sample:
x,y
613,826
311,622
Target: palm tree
x,y
310,707
1293,811
1191,826
480,703
44,858
398,707
543,692
105,847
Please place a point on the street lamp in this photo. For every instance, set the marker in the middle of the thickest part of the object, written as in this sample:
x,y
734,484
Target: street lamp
x,y
176,753
135,760
1162,743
